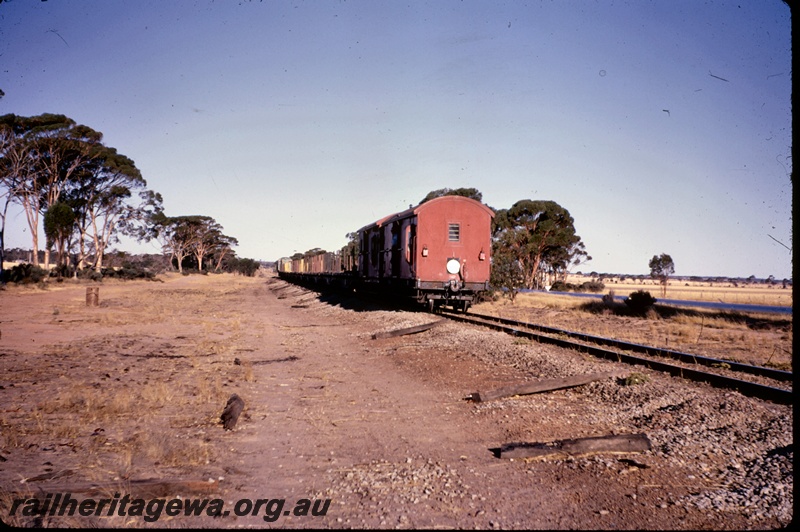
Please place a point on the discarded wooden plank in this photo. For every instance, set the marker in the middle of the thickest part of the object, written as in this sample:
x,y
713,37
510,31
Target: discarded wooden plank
x,y
230,415
408,330
279,288
147,487
290,358
49,476
545,385
615,443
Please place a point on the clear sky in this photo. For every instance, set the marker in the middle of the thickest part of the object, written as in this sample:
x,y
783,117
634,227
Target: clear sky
x,y
662,126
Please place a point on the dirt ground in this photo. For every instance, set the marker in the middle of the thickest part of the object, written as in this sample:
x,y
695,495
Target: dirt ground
x,y
133,389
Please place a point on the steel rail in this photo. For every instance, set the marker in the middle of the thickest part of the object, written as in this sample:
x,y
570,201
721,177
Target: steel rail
x,y
771,373
514,328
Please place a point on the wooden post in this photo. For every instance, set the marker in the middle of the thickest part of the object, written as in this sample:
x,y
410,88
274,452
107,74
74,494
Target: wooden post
x,y
92,296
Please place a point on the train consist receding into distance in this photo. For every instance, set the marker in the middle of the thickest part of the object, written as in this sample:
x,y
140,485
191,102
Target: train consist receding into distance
x,y
437,253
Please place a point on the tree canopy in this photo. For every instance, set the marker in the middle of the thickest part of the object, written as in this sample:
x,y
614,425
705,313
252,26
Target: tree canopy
x,y
87,194
472,193
50,159
199,236
539,238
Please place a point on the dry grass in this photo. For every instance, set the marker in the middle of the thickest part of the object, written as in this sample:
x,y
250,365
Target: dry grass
x,y
120,400
753,294
754,338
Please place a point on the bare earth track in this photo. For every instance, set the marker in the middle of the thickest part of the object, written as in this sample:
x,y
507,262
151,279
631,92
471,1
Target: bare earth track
x,y
133,390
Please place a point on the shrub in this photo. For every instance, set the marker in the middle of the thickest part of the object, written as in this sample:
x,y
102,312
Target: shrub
x,y
194,271
128,273
506,274
61,271
636,378
640,301
608,299
592,286
246,267
26,273
561,286
89,273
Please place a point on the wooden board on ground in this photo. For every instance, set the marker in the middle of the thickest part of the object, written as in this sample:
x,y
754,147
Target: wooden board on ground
x,y
619,443
408,330
544,385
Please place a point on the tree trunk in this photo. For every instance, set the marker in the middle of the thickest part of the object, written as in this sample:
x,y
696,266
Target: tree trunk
x,y
98,267
3,230
35,242
81,251
33,225
219,263
98,252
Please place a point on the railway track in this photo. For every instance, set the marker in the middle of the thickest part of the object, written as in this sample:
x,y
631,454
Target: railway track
x,y
652,357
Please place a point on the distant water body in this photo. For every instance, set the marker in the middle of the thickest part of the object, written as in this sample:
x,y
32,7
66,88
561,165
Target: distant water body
x,y
684,303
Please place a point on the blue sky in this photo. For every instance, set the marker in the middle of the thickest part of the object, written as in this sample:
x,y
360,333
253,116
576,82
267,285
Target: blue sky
x,y
662,126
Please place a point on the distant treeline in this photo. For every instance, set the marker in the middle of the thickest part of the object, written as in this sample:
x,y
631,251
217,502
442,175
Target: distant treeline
x,y
736,281
85,195
121,264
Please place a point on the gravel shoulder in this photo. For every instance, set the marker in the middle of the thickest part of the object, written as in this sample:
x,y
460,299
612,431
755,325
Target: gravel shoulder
x,y
379,427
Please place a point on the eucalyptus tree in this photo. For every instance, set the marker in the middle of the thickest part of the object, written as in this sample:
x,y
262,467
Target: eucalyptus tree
x,y
14,156
48,150
661,267
507,273
557,261
206,237
182,236
537,235
17,155
223,247
110,197
58,227
175,235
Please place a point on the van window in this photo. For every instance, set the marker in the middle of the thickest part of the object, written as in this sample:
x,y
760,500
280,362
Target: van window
x,y
454,232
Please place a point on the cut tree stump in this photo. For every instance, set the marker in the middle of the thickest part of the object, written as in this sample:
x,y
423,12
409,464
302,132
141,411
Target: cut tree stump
x,y
545,385
92,296
619,443
408,330
230,415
